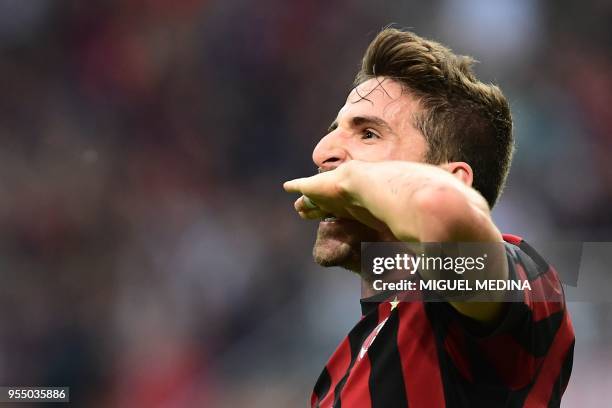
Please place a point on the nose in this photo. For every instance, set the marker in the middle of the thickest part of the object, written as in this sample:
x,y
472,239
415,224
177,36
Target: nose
x,y
329,153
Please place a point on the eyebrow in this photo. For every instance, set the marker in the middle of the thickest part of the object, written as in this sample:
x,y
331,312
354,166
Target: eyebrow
x,y
358,121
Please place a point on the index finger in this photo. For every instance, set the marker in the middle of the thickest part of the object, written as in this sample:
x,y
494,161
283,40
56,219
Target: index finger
x,y
294,186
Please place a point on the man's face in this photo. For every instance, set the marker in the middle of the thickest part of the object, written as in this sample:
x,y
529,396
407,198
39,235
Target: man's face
x,y
375,124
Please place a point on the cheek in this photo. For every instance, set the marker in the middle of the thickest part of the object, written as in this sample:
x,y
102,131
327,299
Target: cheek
x,y
376,152
409,151
387,150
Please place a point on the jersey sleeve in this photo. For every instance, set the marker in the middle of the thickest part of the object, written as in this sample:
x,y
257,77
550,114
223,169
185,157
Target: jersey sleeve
x,y
531,349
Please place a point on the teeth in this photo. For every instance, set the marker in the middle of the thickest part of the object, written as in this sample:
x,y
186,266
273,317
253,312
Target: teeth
x,y
329,218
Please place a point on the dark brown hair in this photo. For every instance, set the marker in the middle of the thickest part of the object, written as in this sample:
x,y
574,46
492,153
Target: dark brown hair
x,y
462,119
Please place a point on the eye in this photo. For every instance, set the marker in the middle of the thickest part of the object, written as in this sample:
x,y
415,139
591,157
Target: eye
x,y
369,134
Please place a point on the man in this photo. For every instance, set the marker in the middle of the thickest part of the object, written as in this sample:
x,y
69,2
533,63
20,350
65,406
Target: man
x,y
420,152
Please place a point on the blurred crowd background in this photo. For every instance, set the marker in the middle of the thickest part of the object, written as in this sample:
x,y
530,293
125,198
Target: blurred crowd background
x,y
148,255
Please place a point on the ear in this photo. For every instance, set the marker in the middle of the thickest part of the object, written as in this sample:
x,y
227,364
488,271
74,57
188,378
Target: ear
x,y
461,170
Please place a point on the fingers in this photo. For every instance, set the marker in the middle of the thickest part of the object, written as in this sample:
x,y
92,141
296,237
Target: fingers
x,y
319,196
308,203
307,209
319,184
311,215
294,186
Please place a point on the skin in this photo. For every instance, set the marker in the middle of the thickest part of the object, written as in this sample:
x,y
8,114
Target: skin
x,y
373,179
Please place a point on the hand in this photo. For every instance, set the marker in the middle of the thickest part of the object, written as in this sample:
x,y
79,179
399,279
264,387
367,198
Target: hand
x,y
332,194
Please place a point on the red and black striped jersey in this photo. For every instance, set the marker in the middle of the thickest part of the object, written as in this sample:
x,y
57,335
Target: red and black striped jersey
x,y
426,354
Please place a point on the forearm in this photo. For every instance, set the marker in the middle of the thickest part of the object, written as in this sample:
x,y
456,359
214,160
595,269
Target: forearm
x,y
427,204
422,202
416,202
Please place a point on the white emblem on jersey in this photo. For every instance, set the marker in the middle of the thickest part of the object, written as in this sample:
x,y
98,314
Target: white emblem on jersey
x,y
370,339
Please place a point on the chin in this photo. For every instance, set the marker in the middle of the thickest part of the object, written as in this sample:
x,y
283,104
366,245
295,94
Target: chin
x,y
339,243
334,253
